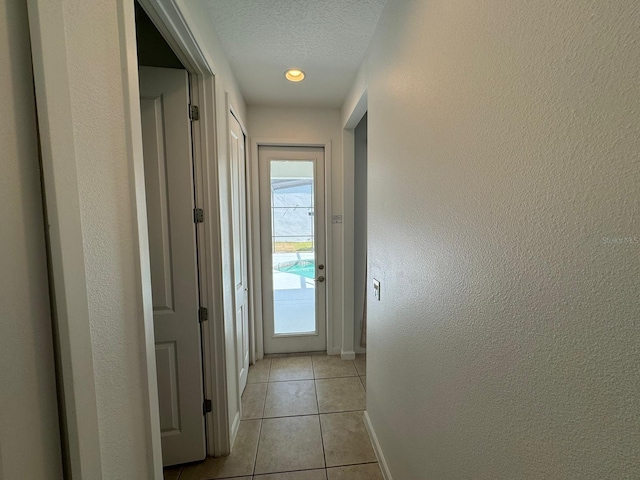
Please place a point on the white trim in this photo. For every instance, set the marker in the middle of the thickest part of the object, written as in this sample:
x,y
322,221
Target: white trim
x,y
384,467
334,351
360,108
348,159
171,23
59,163
133,131
253,238
348,355
254,214
213,337
348,229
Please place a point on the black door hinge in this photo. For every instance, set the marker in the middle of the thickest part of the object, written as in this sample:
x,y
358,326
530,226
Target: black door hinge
x,y
207,406
198,215
194,113
203,313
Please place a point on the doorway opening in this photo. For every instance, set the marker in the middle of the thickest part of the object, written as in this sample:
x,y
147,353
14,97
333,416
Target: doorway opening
x,y
172,220
360,236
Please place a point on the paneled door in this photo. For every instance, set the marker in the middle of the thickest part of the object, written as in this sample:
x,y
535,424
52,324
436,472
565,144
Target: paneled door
x,y
168,171
292,238
239,229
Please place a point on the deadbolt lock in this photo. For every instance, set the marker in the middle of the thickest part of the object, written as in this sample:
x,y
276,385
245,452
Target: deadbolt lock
x,y
320,267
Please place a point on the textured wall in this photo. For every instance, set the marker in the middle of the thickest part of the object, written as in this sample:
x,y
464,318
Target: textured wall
x,y
106,197
504,184
29,434
321,124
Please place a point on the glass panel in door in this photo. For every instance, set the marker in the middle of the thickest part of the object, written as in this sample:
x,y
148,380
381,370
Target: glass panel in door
x,y
293,249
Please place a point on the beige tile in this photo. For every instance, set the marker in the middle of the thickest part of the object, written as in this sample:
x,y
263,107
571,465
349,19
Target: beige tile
x,y
253,400
304,475
331,366
288,444
288,399
259,373
239,462
369,471
363,379
361,363
291,368
172,473
340,394
345,439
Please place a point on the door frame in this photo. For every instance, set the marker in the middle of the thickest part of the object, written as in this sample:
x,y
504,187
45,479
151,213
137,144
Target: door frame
x,y
76,349
253,213
169,20
350,120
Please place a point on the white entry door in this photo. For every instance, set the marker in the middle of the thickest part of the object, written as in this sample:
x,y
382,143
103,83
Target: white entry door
x,y
239,226
168,169
292,238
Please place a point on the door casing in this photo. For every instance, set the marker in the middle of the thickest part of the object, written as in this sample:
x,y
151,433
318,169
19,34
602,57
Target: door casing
x,y
254,222
293,342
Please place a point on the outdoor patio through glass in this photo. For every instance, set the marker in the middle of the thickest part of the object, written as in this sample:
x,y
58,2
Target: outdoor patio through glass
x,y
293,246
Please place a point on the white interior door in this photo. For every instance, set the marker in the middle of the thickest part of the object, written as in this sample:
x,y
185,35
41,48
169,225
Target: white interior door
x,y
168,168
239,226
292,238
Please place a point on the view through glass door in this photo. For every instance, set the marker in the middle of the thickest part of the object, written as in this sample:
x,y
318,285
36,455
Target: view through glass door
x,y
293,249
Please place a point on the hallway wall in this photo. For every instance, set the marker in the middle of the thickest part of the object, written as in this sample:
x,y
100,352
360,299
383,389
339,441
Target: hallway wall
x,y
312,124
503,196
29,431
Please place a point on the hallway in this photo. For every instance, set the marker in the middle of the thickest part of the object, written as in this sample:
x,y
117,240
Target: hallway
x,y
302,420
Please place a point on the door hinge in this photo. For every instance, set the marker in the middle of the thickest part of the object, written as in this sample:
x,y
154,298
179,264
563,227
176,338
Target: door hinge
x,y
194,113
203,313
207,406
198,215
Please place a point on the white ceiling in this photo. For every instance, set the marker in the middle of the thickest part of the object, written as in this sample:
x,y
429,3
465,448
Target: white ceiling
x,y
326,38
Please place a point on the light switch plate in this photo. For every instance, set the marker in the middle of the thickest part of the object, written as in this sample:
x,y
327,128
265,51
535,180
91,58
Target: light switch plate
x,y
376,289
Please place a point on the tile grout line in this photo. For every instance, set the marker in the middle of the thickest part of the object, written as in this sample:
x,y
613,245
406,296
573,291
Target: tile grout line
x,y
255,458
324,453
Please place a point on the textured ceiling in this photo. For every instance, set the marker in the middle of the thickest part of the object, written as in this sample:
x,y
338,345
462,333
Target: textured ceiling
x,y
326,38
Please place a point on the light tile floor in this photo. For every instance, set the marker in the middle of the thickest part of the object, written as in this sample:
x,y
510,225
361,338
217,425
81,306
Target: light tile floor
x,y
301,420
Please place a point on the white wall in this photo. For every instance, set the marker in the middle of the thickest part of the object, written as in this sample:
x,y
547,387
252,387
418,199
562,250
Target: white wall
x,y
29,433
503,157
359,230
317,124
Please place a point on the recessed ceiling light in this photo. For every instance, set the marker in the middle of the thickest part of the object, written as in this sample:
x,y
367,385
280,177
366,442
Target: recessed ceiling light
x,y
294,75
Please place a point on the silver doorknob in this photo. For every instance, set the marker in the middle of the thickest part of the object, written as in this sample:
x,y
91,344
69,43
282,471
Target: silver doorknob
x,y
320,278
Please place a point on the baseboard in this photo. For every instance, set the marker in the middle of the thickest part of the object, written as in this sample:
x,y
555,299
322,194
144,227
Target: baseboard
x,y
235,426
334,351
384,468
347,355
